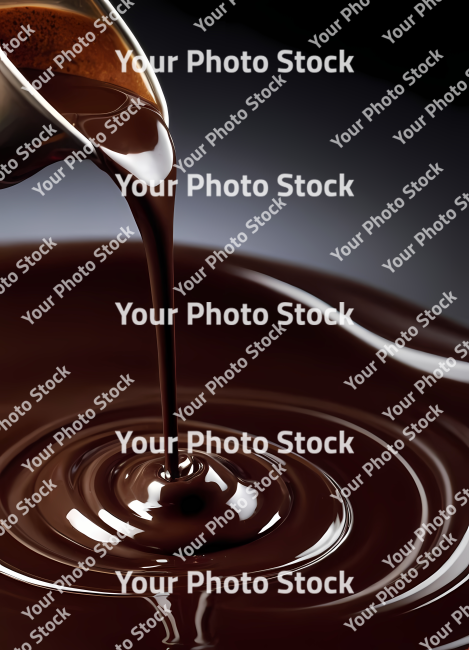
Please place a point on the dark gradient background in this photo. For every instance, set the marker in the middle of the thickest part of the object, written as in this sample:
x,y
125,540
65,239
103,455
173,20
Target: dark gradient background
x,y
290,133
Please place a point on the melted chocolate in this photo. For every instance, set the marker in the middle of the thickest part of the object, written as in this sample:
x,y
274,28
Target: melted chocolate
x,y
56,30
308,397
296,385
143,148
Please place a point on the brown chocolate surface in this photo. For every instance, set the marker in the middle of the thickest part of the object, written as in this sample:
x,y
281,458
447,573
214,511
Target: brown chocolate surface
x,y
57,30
289,387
